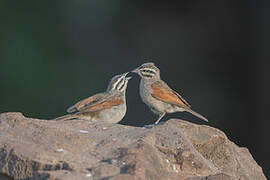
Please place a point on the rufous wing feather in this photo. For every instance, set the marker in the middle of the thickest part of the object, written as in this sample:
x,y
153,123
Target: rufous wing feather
x,y
83,103
165,94
103,105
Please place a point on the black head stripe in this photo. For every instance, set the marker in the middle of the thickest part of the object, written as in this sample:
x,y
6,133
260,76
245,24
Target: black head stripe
x,y
119,83
123,86
149,75
148,70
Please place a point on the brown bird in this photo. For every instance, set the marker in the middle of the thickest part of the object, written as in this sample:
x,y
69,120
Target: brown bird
x,y
109,106
156,94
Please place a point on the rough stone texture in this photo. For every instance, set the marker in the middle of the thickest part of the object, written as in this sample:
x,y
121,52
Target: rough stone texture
x,y
41,149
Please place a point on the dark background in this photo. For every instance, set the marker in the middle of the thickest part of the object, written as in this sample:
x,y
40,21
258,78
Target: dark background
x,y
215,53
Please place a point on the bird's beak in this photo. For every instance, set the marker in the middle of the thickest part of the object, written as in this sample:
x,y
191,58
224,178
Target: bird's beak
x,y
125,74
128,78
135,70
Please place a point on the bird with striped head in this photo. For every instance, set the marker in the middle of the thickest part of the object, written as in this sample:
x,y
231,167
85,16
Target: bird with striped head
x,y
158,96
109,106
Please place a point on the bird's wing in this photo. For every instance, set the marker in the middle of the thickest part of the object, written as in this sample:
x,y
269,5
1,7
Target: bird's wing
x,y
86,102
182,99
163,92
104,103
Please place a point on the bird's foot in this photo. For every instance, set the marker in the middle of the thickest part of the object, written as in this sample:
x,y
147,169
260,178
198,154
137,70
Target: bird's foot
x,y
150,126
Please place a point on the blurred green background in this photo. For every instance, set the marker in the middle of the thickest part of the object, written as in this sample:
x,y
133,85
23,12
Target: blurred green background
x,y
215,53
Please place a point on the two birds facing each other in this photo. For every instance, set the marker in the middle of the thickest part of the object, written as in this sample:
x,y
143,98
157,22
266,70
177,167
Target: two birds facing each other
x,y
110,106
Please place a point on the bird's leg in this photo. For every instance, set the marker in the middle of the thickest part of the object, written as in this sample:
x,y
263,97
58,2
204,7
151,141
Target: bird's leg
x,y
160,117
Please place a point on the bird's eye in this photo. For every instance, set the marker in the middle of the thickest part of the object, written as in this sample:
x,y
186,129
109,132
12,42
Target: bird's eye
x,y
148,71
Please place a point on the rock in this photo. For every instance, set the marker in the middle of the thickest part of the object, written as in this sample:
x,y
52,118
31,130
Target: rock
x,y
77,149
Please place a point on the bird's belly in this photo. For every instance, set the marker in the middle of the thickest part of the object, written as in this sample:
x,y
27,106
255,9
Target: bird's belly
x,y
157,106
112,115
154,104
174,108
161,106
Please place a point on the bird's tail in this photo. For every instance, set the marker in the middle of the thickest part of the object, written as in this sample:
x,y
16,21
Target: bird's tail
x,y
196,114
66,117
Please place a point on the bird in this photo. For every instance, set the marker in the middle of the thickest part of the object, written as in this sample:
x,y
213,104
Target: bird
x,y
109,106
158,96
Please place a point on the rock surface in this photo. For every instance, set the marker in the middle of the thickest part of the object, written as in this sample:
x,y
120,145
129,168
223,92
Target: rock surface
x,y
41,149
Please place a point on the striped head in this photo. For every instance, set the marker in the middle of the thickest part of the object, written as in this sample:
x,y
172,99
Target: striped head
x,y
119,83
148,71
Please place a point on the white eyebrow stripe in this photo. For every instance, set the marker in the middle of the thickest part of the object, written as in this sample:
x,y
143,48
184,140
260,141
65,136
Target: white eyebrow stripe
x,y
115,84
149,69
147,74
123,85
120,84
